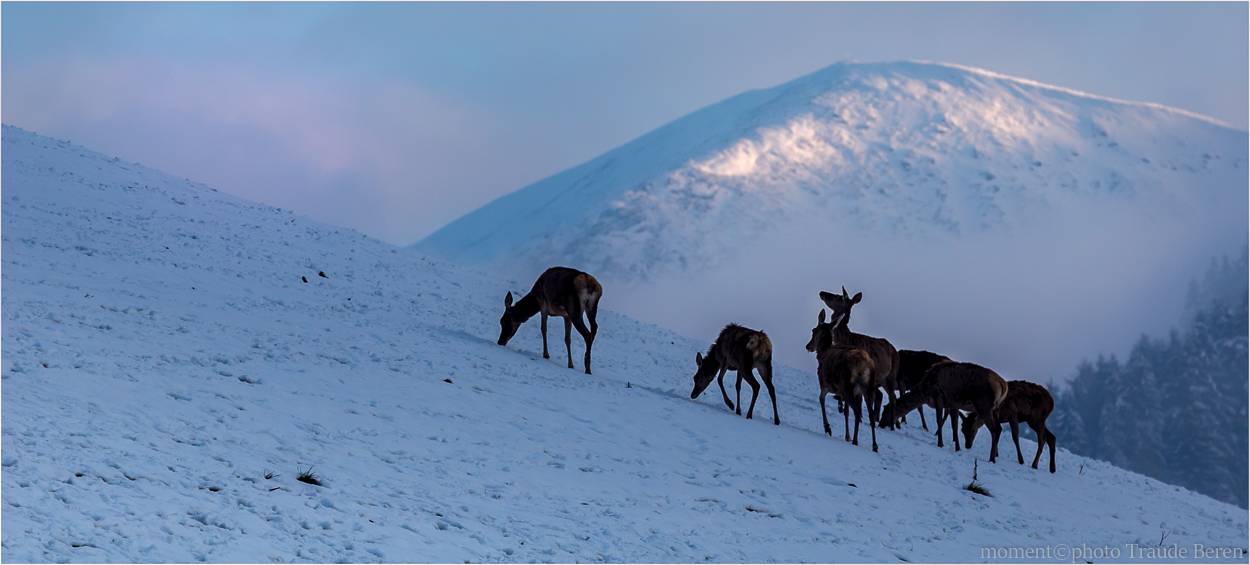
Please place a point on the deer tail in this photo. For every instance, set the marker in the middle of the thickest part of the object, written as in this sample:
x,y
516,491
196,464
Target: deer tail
x,y
1001,395
761,347
588,291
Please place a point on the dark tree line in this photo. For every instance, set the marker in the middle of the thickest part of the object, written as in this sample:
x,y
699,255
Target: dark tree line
x,y
1176,408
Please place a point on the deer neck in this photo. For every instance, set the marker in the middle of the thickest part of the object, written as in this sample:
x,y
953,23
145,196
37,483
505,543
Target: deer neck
x,y
841,334
525,308
909,401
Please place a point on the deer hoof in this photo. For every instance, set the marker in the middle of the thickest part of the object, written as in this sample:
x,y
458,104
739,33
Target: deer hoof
x,y
874,448
829,431
776,421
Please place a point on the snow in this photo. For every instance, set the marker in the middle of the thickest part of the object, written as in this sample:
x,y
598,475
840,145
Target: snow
x,y
162,355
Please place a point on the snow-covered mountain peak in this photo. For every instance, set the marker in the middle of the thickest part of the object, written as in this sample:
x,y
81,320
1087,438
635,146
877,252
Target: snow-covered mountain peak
x,y
899,149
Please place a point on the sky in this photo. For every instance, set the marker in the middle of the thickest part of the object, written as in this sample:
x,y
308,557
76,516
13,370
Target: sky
x,y
396,118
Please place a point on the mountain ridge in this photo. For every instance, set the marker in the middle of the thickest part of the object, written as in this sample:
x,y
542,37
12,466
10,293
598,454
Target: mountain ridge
x,y
903,145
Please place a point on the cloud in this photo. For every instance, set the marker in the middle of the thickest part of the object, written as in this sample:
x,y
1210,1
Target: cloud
x,y
319,147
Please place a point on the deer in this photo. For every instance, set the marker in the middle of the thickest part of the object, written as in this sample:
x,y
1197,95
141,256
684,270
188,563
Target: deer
x,y
847,373
884,356
951,386
1025,402
559,291
911,368
737,349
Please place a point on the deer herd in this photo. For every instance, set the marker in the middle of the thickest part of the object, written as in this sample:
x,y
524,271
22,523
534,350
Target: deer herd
x,y
858,370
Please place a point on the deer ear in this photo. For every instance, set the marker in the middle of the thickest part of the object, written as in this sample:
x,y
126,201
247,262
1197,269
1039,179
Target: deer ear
x,y
821,318
507,301
844,294
698,359
858,295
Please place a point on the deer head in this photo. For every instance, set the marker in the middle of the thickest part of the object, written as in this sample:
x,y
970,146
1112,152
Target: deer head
x,y
822,334
509,323
703,376
840,304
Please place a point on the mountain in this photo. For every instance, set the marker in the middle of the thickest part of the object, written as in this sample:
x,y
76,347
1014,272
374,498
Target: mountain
x,y
1042,222
167,375
904,149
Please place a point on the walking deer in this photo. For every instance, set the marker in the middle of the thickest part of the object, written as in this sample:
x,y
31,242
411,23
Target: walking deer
x,y
884,356
560,291
847,373
1025,402
911,368
737,349
951,386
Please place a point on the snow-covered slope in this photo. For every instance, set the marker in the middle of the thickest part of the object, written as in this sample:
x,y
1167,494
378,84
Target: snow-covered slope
x,y
992,218
162,353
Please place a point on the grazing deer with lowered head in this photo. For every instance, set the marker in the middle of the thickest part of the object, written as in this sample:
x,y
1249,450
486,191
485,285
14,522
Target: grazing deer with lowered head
x,y
1025,402
911,368
949,387
884,356
560,291
737,349
847,373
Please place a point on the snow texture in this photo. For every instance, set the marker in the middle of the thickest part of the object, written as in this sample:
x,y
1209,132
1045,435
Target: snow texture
x,y
167,372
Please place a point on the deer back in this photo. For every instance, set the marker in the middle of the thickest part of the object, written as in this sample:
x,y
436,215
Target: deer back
x,y
1028,401
965,385
912,366
736,344
562,291
884,356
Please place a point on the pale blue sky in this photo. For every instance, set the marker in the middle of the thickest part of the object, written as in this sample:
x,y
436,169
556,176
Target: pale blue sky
x,y
396,118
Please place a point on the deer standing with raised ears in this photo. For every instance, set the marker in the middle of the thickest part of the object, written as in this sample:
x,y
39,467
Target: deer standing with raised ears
x,y
737,349
560,291
884,356
845,372
951,386
1025,402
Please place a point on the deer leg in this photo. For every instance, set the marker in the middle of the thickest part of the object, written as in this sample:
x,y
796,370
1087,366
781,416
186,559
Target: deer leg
x,y
1044,438
941,419
996,429
738,391
1015,438
825,417
922,422
846,418
1050,441
544,326
955,427
587,336
766,373
720,380
755,388
568,338
858,419
893,399
872,425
